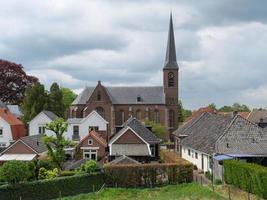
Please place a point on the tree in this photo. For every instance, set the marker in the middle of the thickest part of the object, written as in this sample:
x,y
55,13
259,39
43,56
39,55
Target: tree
x,y
34,101
235,107
213,106
68,96
13,82
182,113
14,172
56,104
56,143
88,167
159,130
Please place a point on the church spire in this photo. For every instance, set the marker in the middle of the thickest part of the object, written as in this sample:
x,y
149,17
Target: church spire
x,y
170,60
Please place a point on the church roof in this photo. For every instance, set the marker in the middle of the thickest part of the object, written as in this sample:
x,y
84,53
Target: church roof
x,y
126,95
170,60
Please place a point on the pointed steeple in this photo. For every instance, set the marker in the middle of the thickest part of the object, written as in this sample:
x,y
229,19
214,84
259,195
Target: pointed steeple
x,y
170,60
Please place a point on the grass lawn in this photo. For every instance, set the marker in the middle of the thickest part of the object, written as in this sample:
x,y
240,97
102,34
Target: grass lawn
x,y
184,191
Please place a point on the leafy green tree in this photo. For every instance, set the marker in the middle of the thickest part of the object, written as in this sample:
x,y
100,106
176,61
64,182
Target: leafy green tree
x,y
213,106
235,107
35,100
56,104
183,114
14,172
68,96
88,167
226,109
56,143
159,130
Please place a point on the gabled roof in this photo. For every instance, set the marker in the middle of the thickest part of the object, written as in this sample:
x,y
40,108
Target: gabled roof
x,y
256,115
17,127
96,136
143,132
123,160
126,95
50,114
81,120
203,134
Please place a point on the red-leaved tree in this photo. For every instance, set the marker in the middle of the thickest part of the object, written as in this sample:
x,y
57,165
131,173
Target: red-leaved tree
x,y
13,82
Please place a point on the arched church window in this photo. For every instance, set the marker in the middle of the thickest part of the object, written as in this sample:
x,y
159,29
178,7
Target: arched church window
x,y
138,114
170,79
100,111
171,118
122,117
156,116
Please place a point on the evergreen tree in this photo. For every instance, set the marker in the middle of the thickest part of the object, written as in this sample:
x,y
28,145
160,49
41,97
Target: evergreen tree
x,y
35,100
56,103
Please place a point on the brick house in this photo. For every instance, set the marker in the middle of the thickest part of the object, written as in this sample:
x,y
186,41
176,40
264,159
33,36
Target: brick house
x,y
117,104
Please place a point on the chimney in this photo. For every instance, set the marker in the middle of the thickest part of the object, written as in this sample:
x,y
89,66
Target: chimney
x,y
235,113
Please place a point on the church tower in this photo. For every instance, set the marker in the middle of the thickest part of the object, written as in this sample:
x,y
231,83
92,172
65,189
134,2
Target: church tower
x,y
170,81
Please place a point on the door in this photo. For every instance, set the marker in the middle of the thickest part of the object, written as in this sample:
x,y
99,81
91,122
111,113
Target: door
x,y
202,162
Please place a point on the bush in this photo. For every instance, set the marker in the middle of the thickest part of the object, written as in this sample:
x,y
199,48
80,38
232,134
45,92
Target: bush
x,y
67,173
88,167
147,175
172,157
47,174
53,188
208,175
14,172
218,182
247,176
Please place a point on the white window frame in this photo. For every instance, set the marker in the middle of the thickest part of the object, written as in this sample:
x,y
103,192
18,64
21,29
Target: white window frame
x,y
90,140
90,152
42,127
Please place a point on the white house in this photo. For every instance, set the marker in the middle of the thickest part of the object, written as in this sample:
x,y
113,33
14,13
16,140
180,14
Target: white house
x,y
37,124
78,128
11,128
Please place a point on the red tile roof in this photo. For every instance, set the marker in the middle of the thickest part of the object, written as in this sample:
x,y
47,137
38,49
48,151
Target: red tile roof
x,y
96,136
17,127
200,111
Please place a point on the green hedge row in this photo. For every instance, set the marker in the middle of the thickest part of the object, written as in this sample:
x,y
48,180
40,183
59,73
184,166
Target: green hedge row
x,y
147,175
247,176
54,188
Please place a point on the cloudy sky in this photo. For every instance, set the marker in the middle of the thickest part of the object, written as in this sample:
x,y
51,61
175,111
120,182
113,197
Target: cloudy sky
x,y
221,45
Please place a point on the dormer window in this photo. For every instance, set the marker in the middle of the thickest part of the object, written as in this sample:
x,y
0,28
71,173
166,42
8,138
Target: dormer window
x,y
139,98
98,96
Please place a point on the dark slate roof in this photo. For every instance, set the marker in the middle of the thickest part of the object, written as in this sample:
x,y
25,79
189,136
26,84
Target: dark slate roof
x,y
203,134
243,137
126,95
141,130
2,104
50,114
35,143
170,60
256,115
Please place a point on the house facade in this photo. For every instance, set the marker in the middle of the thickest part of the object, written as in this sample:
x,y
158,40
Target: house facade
x,y
136,141
38,123
78,128
117,104
11,128
208,139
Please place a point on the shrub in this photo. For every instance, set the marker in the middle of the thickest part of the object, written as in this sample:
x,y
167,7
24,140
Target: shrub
x,y
147,175
247,176
14,172
218,182
67,173
208,175
53,188
88,167
172,157
47,174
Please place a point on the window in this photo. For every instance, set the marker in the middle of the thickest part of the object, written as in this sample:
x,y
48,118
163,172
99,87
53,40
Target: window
x,y
171,118
122,116
156,116
153,150
170,79
189,152
90,154
1,132
138,114
98,96
90,142
139,98
75,133
93,128
41,130
100,111
196,155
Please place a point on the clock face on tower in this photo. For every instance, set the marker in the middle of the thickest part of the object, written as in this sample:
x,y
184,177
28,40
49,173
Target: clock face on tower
x,y
170,75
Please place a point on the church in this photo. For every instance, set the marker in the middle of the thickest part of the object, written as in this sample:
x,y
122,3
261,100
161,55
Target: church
x,y
117,104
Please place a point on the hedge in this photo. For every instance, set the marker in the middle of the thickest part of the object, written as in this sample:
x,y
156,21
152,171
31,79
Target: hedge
x,y
54,188
247,176
147,175
171,157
